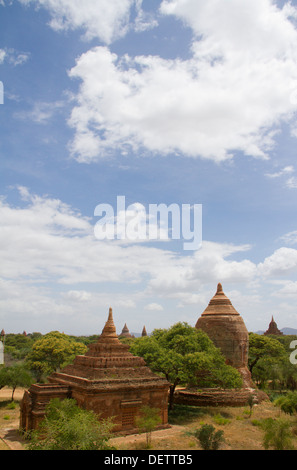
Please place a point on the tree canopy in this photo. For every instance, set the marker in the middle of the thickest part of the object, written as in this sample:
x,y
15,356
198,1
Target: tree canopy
x,y
15,376
261,346
51,352
185,355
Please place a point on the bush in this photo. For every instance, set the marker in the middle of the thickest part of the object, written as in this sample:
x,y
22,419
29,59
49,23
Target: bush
x,y
209,438
68,427
287,403
219,419
278,434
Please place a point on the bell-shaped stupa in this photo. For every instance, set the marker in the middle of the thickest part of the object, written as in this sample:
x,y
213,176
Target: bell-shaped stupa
x,y
226,328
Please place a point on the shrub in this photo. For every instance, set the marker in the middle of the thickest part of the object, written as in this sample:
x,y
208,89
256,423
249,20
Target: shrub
x,y
209,438
287,403
68,427
278,434
219,419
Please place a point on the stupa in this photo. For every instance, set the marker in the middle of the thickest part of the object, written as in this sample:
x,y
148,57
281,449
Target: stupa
x,y
273,329
226,328
108,379
125,332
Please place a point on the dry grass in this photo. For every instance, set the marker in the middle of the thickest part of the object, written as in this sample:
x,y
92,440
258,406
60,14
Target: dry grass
x,y
240,432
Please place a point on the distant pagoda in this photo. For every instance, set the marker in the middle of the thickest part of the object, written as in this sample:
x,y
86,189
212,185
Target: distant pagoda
x,y
144,333
273,329
126,333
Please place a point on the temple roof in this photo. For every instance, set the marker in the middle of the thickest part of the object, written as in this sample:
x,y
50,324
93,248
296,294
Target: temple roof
x,y
109,332
107,364
220,304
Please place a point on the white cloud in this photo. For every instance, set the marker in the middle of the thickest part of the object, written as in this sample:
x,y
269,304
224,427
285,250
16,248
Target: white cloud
x,y
77,295
291,183
41,112
13,57
290,238
103,19
2,55
288,290
154,307
285,171
281,263
52,266
231,95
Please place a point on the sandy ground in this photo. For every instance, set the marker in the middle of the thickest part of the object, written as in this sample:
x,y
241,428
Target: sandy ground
x,y
9,435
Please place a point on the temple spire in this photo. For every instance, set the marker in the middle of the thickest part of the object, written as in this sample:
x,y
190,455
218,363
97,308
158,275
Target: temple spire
x,y
219,288
109,330
144,333
220,304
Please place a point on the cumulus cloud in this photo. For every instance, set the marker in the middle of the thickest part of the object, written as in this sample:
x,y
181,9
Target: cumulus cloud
x,y
45,243
230,95
281,263
101,19
53,266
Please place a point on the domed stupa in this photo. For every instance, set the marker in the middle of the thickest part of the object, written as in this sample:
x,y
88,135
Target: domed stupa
x,y
226,328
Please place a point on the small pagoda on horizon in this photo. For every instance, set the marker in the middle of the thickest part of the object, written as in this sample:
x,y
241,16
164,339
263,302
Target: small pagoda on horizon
x,y
126,333
273,329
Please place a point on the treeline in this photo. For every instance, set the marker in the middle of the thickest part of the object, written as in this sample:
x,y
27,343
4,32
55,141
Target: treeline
x,y
179,353
33,357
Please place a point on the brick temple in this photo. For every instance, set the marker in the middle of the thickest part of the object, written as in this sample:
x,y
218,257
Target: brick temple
x,y
108,379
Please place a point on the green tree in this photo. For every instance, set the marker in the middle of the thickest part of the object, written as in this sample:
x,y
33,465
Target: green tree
x,y
51,352
15,376
18,345
278,434
261,346
147,421
68,427
185,355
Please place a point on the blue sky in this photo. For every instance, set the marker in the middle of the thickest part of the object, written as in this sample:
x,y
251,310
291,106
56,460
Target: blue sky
x,y
162,101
